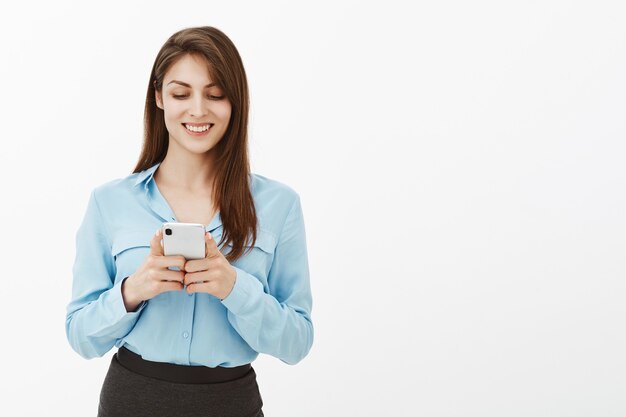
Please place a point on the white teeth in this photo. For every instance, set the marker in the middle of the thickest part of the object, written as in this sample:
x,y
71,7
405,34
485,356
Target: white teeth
x,y
198,128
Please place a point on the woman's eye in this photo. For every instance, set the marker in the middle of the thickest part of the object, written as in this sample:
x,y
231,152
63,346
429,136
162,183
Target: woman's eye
x,y
184,96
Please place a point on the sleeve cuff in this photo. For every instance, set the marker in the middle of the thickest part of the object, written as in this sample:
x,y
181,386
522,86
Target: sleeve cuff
x,y
246,289
118,303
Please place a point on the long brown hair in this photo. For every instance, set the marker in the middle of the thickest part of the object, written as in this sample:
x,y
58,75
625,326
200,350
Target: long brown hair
x,y
231,192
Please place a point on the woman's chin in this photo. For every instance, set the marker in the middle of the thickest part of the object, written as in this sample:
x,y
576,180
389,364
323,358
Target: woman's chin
x,y
193,148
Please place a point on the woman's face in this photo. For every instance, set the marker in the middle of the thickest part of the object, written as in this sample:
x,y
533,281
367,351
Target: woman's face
x,y
196,111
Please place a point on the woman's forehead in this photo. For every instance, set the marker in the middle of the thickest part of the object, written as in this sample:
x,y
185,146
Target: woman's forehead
x,y
192,70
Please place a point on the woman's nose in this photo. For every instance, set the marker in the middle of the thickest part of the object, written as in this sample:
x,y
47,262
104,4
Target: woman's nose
x,y
197,107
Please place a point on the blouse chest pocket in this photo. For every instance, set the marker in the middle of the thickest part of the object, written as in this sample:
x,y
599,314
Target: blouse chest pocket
x,y
129,249
256,260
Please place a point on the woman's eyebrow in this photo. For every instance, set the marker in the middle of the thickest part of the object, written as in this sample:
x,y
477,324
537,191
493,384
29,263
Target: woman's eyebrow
x,y
187,85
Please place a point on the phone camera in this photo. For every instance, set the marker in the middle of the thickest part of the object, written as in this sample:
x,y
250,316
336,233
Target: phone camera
x,y
168,232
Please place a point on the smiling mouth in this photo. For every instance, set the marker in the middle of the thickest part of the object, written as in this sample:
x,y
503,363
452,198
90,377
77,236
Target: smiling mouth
x,y
198,127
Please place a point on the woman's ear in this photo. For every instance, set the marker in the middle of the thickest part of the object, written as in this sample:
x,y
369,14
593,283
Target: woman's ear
x,y
158,98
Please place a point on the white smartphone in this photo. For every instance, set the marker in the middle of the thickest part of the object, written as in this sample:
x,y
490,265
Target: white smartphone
x,y
186,239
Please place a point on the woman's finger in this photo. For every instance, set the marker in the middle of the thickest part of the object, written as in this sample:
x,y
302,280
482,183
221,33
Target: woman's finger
x,y
168,275
170,286
195,277
155,244
207,287
196,265
211,246
171,261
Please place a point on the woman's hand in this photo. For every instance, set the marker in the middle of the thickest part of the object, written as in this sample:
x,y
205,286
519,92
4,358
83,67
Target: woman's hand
x,y
213,275
153,277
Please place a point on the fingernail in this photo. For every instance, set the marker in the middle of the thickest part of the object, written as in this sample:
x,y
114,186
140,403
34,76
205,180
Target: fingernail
x,y
158,232
210,237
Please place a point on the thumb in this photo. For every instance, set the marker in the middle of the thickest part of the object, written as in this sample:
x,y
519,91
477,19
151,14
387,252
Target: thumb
x,y
155,244
211,246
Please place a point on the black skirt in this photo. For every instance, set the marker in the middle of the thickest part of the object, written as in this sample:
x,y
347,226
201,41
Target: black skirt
x,y
135,387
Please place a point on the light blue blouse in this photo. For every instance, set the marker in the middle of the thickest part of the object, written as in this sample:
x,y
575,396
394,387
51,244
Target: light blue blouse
x,y
268,310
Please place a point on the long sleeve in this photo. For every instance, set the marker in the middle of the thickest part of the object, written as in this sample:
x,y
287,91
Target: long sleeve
x,y
96,315
278,323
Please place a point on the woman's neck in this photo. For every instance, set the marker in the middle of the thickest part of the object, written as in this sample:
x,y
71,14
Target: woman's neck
x,y
192,173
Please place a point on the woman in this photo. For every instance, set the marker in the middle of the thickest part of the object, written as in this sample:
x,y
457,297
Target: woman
x,y
187,331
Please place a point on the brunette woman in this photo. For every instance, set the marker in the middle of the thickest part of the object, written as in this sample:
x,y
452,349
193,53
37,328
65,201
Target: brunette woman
x,y
188,330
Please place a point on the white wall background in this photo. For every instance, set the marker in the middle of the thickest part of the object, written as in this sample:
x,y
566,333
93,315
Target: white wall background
x,y
461,168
